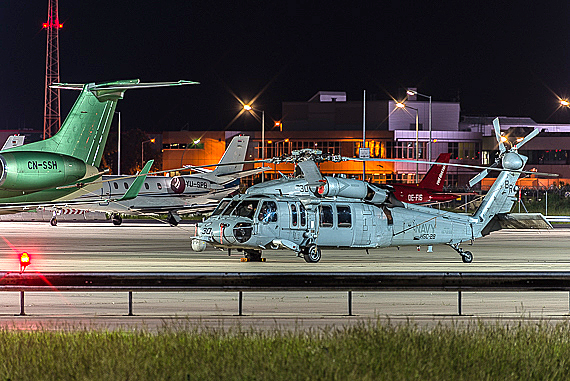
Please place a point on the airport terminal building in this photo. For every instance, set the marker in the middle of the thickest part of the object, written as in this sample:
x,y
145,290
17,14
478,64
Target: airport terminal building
x,y
332,123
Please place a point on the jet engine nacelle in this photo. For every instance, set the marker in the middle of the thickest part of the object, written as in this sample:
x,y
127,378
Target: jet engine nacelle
x,y
33,171
351,188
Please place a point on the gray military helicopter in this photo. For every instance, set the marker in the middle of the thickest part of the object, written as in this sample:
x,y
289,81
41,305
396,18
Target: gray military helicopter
x,y
308,212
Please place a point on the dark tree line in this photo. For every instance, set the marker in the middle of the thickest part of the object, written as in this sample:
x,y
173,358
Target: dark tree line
x,y
131,151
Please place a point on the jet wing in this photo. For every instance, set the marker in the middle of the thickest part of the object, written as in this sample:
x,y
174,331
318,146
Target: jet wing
x,y
138,183
233,176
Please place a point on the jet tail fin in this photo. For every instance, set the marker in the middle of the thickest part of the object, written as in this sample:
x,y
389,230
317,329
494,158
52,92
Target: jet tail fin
x,y
136,186
235,152
84,132
435,177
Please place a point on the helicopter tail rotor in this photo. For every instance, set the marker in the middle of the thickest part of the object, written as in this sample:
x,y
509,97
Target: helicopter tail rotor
x,y
509,158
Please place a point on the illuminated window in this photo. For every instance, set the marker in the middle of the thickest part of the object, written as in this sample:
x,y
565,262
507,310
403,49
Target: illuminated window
x,y
268,212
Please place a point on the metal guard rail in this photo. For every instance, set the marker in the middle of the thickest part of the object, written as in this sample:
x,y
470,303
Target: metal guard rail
x,y
292,281
274,281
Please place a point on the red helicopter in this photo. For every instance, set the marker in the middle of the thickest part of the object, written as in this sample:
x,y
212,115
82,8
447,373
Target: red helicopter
x,y
430,189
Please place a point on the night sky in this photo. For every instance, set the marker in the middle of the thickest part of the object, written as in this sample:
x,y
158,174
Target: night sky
x,y
496,58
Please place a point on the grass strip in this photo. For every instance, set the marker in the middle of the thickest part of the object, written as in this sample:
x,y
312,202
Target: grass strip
x,y
368,351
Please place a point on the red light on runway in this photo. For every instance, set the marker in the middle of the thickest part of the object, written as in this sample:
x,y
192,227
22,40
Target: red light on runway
x,y
24,261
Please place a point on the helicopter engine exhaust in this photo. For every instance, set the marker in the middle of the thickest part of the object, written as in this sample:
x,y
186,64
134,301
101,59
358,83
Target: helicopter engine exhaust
x,y
351,188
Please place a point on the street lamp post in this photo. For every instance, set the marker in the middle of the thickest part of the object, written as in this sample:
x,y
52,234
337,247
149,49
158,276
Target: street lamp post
x,y
404,106
250,109
142,150
414,92
119,144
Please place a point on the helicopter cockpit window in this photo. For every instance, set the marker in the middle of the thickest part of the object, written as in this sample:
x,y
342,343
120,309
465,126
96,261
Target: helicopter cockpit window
x,y
246,208
344,217
293,215
230,208
221,206
268,212
303,215
326,216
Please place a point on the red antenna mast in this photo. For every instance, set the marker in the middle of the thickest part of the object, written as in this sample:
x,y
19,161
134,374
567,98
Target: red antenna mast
x,y
52,119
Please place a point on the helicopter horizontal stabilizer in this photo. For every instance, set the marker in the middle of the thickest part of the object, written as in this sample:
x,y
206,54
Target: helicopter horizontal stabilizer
x,y
524,221
516,221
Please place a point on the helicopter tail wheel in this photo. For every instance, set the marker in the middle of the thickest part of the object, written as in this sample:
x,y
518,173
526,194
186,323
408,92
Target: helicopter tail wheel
x,y
312,254
252,256
466,257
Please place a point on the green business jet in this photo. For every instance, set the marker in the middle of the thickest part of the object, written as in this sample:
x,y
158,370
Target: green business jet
x,y
60,168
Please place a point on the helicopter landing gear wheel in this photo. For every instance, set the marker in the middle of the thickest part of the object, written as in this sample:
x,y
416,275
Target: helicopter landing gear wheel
x,y
253,256
312,254
466,257
117,219
53,221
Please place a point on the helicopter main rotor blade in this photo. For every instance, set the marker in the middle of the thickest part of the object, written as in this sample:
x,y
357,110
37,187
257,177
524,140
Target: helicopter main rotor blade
x,y
497,128
456,165
474,180
534,132
479,177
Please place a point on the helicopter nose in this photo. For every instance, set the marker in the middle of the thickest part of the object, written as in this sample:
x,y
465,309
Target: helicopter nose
x,y
230,232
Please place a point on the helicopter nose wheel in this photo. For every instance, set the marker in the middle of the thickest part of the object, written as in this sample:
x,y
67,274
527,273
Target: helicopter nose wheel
x,y
312,253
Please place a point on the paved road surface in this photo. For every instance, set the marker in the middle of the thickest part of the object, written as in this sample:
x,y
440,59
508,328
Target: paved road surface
x,y
148,246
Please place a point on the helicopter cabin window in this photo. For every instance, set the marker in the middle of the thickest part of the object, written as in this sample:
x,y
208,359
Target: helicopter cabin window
x,y
293,215
116,185
146,186
126,185
230,208
246,208
326,216
221,206
303,215
268,212
159,186
344,217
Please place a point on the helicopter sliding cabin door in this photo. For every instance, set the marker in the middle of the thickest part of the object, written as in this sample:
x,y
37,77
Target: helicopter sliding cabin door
x,y
335,225
297,221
